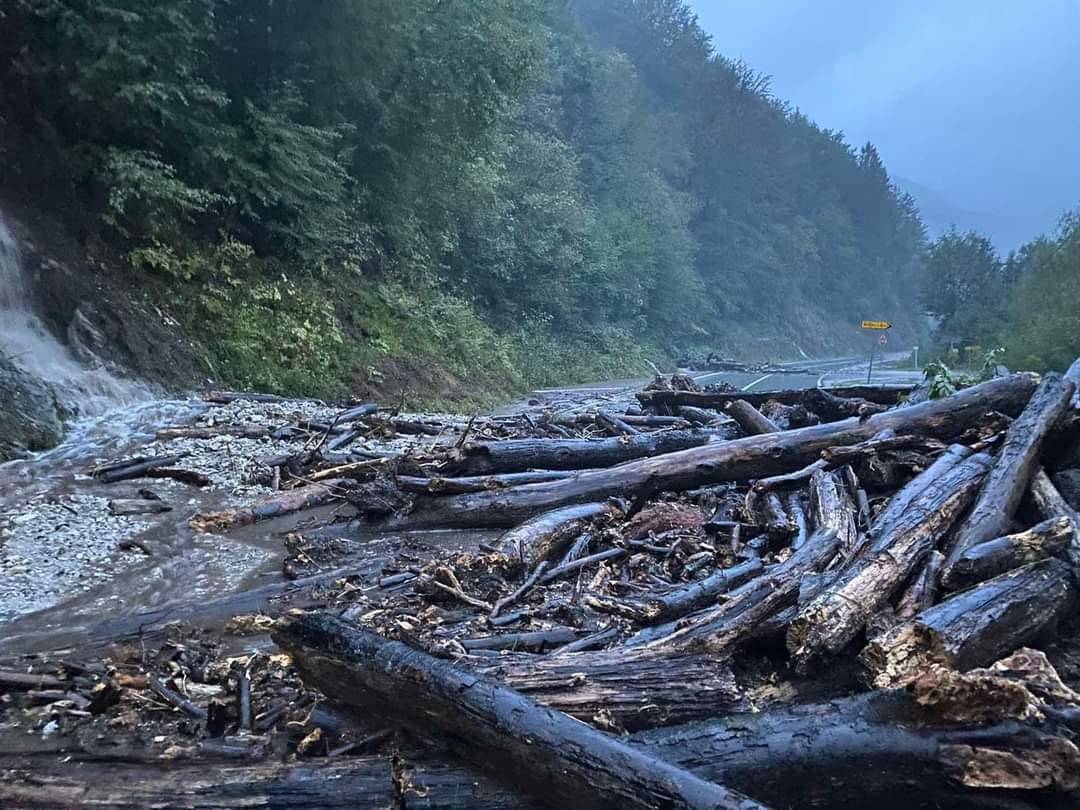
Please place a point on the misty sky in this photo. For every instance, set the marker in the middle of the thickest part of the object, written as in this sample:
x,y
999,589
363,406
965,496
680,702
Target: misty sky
x,y
976,100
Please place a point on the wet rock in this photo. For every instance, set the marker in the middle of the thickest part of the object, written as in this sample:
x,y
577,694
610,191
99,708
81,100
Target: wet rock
x,y
30,416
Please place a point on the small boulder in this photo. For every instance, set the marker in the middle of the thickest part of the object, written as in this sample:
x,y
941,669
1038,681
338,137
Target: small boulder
x,y
30,415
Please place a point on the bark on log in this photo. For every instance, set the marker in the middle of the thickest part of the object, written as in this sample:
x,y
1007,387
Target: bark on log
x,y
612,687
922,592
754,457
547,535
975,627
543,751
479,483
1051,538
681,601
882,395
793,479
735,619
752,421
342,783
880,749
993,512
899,504
832,507
518,455
833,620
283,503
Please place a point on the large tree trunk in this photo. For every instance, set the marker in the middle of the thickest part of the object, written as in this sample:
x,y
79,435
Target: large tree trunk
x,y
541,750
833,620
880,750
754,457
518,455
1004,488
975,627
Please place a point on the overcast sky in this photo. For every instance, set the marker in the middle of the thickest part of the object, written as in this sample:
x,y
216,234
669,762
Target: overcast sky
x,y
976,102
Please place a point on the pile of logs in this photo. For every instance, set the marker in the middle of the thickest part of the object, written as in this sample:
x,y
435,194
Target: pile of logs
x,y
707,599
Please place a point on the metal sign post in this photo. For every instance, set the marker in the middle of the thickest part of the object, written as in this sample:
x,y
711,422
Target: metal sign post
x,y
875,326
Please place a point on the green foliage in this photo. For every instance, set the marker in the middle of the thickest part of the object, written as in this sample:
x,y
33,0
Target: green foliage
x,y
522,191
1025,305
1043,329
964,286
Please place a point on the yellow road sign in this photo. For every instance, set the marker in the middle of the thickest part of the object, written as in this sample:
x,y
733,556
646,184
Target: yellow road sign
x,y
876,325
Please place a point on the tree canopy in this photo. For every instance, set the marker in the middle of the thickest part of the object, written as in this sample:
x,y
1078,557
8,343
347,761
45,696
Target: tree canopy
x,y
587,171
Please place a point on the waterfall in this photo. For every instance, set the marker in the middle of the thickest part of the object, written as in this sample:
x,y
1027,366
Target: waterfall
x,y
83,390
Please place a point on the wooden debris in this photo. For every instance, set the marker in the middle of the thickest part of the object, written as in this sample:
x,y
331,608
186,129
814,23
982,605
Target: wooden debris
x,y
500,730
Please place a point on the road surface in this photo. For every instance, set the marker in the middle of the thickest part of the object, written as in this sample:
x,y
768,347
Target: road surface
x,y
803,374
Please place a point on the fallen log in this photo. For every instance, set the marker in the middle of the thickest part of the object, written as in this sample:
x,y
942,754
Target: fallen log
x,y
413,780
832,408
717,400
752,421
459,486
282,503
993,512
882,749
832,620
533,641
546,535
518,455
832,507
614,689
616,425
975,627
737,617
195,479
133,468
792,479
680,601
751,458
1051,538
541,750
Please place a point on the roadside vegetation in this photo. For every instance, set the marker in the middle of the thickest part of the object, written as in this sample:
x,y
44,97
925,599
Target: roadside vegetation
x,y
1020,310
516,192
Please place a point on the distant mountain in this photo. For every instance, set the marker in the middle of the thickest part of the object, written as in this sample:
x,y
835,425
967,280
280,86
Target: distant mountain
x,y
940,213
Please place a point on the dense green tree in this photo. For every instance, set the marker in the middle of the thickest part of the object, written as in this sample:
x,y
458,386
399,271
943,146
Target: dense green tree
x,y
963,286
1043,326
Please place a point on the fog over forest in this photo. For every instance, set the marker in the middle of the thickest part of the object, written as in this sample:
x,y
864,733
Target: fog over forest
x,y
968,101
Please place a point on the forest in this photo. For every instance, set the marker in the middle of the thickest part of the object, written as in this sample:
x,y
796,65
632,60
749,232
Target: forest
x,y
1021,308
509,192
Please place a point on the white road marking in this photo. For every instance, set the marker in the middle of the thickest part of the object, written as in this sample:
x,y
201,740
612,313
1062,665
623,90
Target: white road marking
x,y
755,382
